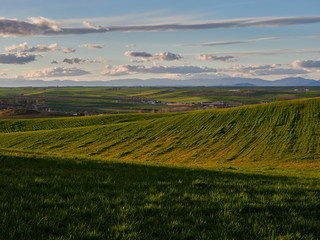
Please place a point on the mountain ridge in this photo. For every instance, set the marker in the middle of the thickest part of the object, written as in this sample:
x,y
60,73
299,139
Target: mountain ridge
x,y
165,82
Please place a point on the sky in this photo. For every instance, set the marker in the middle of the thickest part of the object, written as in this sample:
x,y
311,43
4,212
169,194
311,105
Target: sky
x,y
124,39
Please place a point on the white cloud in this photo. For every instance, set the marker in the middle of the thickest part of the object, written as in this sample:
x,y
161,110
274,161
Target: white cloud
x,y
134,69
24,47
92,46
45,23
210,57
210,44
56,72
95,27
16,58
77,60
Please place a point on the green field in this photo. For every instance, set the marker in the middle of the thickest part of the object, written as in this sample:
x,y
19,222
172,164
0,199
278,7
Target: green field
x,y
250,172
278,134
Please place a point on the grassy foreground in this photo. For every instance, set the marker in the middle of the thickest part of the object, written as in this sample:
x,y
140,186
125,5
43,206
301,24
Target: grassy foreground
x,y
79,199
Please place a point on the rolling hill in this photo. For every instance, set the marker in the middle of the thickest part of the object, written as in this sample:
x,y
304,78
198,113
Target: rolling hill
x,y
281,133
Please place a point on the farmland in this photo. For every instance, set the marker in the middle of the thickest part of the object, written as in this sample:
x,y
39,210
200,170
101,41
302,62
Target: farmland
x,y
249,172
95,100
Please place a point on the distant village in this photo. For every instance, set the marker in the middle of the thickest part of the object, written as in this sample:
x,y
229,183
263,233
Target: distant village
x,y
42,107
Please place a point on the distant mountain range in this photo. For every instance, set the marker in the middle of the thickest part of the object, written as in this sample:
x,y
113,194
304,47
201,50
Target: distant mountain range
x,y
297,81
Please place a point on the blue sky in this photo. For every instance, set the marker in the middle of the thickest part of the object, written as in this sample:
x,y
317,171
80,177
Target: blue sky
x,y
107,40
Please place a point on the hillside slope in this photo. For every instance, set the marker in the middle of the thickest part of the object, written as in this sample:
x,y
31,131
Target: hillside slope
x,y
266,134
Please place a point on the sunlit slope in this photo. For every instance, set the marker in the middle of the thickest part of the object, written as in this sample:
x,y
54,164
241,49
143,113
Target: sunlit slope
x,y
21,125
277,132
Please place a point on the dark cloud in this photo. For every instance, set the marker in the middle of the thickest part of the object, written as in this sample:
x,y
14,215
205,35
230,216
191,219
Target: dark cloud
x,y
16,58
43,26
75,60
138,54
36,26
134,69
307,64
145,57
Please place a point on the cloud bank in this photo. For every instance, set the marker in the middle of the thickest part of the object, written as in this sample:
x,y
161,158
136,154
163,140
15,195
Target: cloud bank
x,y
56,72
210,44
44,26
134,69
262,70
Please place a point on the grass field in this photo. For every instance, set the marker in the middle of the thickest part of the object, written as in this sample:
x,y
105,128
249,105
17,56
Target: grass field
x,y
243,173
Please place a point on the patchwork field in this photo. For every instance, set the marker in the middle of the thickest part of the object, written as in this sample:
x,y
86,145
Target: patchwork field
x,y
135,99
243,173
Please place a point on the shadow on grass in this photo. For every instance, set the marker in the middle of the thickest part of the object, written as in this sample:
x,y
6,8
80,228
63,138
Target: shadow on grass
x,y
58,198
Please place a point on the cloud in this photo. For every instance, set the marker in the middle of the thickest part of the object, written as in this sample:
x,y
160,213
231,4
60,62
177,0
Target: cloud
x,y
95,27
56,72
271,52
313,37
45,23
138,54
16,58
134,69
36,26
3,74
24,47
145,57
307,64
259,70
131,46
210,57
210,44
77,60
55,62
43,26
92,46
